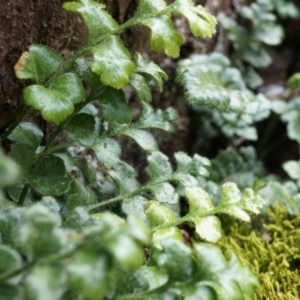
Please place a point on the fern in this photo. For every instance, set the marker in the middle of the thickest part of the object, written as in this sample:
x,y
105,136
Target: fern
x,y
210,80
251,41
60,238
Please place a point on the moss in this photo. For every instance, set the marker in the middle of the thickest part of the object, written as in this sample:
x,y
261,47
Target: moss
x,y
272,252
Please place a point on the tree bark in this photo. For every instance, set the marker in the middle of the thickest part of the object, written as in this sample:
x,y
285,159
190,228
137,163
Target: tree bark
x,y
23,23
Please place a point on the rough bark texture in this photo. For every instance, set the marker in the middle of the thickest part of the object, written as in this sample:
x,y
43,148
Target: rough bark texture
x,y
23,23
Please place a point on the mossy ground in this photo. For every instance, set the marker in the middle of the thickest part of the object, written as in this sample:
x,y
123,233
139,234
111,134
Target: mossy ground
x,y
272,251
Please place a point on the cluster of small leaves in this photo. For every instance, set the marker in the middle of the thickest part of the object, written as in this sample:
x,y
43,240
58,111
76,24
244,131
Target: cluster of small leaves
x,y
102,257
286,194
158,187
111,59
240,166
43,259
60,95
285,8
211,81
255,29
202,213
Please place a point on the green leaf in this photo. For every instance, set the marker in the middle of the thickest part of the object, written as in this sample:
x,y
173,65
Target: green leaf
x,y
37,64
257,57
112,62
159,166
9,170
151,69
83,128
141,86
135,206
124,240
127,251
87,170
199,200
286,9
197,291
230,280
175,260
82,67
271,34
10,261
88,274
39,236
161,235
202,24
23,155
143,138
42,217
27,133
150,6
138,230
157,119
210,81
294,81
246,280
197,166
107,151
16,190
51,177
233,203
286,194
125,178
240,166
79,195
292,168
114,106
165,192
289,113
154,276
46,282
159,215
11,292
97,20
164,36
56,102
209,228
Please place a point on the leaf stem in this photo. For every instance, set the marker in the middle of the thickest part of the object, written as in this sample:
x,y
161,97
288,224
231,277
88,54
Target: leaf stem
x,y
16,272
118,198
26,110
66,64
131,194
135,20
58,131
23,195
46,260
60,147
184,219
48,149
